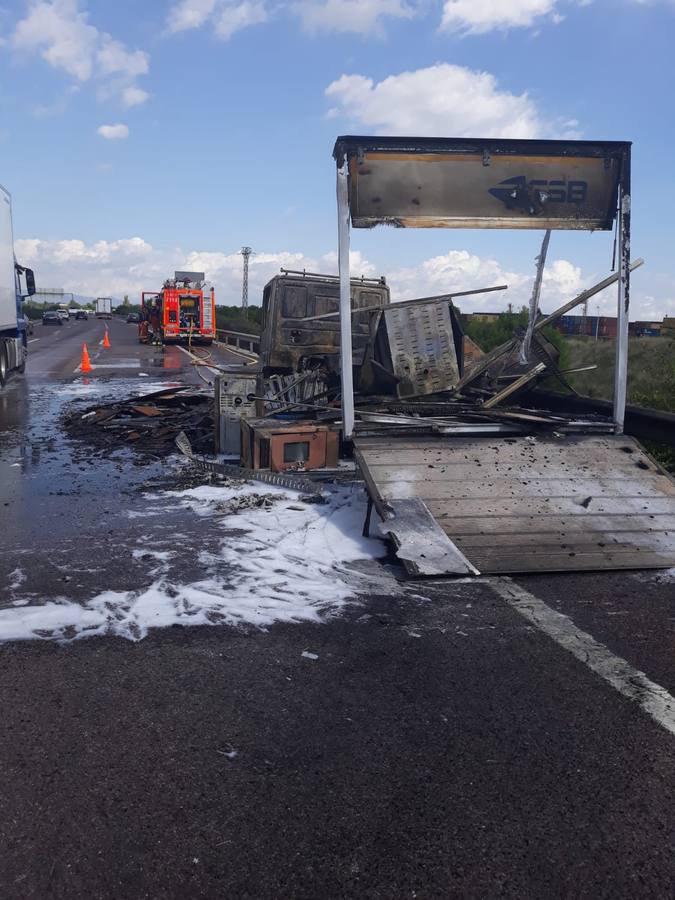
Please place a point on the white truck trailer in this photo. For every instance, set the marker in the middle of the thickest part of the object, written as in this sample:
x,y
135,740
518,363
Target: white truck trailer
x,y
103,308
16,283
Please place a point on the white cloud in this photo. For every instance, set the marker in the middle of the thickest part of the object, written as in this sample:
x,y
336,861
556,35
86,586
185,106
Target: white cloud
x,y
113,58
232,17
563,278
479,16
63,35
358,264
131,265
61,32
189,14
77,251
225,17
113,132
456,270
443,99
356,16
111,268
134,96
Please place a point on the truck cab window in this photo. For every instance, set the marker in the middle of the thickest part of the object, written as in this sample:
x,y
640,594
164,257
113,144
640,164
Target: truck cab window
x,y
294,303
325,304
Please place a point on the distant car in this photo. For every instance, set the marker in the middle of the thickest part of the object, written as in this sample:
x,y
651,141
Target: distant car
x,y
133,317
80,314
64,314
52,318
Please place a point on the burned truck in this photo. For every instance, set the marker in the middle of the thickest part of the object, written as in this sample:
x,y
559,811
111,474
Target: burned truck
x,y
301,325
408,348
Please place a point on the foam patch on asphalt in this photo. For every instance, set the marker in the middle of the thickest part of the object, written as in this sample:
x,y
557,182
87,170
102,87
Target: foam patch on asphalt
x,y
288,562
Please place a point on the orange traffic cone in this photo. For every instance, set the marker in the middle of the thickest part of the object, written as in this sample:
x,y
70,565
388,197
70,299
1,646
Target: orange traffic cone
x,y
85,365
106,339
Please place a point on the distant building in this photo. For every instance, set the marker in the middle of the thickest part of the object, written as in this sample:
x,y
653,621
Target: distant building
x,y
602,327
484,316
668,326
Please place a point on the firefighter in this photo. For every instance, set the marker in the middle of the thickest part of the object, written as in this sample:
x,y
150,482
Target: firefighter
x,y
143,326
154,323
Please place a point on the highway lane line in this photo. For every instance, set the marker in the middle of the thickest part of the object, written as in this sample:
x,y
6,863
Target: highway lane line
x,y
33,340
632,683
252,357
192,355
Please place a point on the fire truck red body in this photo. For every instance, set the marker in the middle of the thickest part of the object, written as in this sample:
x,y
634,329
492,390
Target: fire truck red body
x,y
184,310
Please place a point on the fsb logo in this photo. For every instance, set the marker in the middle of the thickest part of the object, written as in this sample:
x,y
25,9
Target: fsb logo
x,y
519,193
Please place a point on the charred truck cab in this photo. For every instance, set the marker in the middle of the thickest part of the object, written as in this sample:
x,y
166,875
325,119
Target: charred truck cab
x,y
301,326
184,310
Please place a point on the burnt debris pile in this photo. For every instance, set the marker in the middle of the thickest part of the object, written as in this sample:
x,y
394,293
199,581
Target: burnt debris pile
x,y
147,423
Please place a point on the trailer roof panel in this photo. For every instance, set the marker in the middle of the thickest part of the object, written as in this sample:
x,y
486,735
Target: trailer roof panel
x,y
482,183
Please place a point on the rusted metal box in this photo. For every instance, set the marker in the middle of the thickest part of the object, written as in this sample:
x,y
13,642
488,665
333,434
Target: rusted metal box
x,y
288,446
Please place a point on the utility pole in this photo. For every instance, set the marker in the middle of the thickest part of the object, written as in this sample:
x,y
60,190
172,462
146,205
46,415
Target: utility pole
x,y
246,253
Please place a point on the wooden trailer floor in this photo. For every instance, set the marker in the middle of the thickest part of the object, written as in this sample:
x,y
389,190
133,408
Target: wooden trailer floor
x,y
525,504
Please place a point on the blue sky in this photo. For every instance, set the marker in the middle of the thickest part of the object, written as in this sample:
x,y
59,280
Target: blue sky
x,y
141,137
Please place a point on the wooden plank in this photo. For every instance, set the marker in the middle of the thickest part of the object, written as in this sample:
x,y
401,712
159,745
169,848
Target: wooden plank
x,y
521,456
371,484
516,385
613,540
567,463
525,506
496,490
421,545
493,564
667,550
474,472
589,524
391,442
438,487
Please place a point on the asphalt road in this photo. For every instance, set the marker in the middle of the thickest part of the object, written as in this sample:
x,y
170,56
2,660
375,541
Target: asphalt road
x,y
447,741
55,352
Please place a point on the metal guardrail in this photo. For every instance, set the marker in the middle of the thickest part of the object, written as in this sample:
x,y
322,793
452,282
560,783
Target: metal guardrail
x,y
641,422
249,343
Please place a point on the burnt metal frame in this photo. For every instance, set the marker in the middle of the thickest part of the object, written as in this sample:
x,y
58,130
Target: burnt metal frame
x,y
347,145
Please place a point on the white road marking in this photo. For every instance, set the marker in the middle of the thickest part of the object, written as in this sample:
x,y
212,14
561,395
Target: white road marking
x,y
33,340
129,364
632,683
251,357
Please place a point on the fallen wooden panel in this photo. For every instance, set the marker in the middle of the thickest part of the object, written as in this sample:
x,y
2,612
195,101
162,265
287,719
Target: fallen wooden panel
x,y
147,410
546,504
423,547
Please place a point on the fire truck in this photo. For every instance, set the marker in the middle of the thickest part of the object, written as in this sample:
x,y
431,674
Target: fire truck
x,y
184,310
